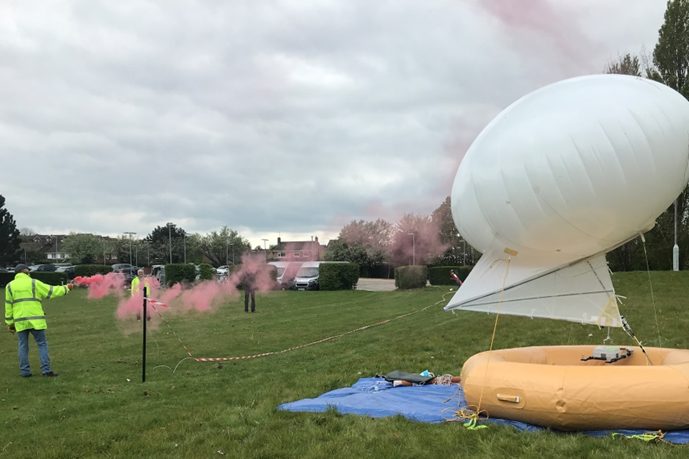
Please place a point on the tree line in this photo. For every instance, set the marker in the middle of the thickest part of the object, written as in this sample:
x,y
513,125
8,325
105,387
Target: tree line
x,y
669,64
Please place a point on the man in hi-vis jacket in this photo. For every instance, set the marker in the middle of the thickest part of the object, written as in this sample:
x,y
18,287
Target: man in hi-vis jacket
x,y
24,315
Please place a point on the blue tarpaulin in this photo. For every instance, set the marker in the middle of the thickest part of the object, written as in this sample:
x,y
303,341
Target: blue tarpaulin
x,y
375,397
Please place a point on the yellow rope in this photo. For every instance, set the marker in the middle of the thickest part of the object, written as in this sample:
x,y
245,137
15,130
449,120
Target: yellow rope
x,y
658,436
473,416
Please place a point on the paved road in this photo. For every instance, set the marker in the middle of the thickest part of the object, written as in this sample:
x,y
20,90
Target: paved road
x,y
375,285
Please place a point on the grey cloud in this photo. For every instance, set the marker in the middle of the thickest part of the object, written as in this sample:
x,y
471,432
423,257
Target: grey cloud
x,y
280,116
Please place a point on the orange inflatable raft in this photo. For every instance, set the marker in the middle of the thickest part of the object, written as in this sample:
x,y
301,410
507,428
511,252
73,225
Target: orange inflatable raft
x,y
551,386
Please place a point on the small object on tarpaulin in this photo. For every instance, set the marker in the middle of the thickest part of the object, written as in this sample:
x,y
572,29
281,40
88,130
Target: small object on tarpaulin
x,y
411,377
609,354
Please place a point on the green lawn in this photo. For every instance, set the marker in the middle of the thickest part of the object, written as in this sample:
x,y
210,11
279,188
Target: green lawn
x,y
98,406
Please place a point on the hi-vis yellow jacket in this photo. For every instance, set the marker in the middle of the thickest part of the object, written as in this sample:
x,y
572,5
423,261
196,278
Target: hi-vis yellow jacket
x,y
136,284
23,302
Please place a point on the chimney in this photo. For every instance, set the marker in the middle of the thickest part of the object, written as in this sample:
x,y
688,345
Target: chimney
x,y
316,238
279,241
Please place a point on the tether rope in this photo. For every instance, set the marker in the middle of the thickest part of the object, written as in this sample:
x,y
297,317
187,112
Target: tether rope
x,y
650,284
293,348
473,416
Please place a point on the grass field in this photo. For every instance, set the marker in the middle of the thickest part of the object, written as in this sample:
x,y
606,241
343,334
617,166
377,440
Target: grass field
x,y
98,406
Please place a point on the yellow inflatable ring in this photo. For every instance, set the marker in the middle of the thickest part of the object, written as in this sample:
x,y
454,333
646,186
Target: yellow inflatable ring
x,y
551,386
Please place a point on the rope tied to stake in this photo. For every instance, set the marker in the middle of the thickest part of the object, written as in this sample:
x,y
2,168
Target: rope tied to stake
x,y
658,436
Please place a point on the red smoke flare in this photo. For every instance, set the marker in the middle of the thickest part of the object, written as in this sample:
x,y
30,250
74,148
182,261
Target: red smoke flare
x,y
101,285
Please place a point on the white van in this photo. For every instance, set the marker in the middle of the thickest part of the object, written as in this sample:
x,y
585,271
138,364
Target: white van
x,y
307,276
286,271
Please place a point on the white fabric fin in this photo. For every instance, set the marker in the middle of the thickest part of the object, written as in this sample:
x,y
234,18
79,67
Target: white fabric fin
x,y
523,285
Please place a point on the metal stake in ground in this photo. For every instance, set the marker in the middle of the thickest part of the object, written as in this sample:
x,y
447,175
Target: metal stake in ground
x,y
144,320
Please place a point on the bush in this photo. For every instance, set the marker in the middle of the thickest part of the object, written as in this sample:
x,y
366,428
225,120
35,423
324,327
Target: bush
x,y
338,276
180,272
90,270
51,278
413,276
206,271
440,275
6,278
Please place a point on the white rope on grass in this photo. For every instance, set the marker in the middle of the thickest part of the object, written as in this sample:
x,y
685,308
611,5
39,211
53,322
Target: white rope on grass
x,y
312,343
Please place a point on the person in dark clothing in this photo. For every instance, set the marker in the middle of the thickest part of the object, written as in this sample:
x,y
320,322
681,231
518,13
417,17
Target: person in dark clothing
x,y
249,284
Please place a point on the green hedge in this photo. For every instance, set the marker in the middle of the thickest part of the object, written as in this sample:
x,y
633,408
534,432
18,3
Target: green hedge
x,y
90,270
440,275
413,276
47,277
180,272
6,278
206,271
338,276
50,278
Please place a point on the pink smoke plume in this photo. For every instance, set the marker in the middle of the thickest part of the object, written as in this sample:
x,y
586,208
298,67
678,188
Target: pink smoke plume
x,y
100,285
205,296
308,251
133,305
416,240
255,269
543,21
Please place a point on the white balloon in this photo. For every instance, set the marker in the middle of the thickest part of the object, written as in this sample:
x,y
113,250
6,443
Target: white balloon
x,y
575,168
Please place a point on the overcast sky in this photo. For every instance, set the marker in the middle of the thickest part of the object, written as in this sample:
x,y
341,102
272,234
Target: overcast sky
x,y
274,118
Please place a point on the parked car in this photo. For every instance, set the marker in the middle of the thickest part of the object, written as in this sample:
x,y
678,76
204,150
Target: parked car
x,y
128,272
222,271
307,276
67,269
47,268
118,266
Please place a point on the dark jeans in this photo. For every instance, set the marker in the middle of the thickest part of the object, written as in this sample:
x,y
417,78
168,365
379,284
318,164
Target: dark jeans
x,y
249,293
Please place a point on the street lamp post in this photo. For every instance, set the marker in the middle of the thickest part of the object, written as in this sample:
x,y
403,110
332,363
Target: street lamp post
x,y
184,244
169,238
130,234
265,250
413,248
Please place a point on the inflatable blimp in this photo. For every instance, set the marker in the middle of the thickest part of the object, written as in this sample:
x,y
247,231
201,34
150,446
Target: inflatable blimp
x,y
559,178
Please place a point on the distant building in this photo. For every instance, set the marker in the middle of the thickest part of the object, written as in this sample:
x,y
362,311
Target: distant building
x,y
297,250
57,256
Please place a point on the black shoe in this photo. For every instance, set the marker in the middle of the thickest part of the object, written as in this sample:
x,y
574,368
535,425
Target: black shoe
x,y
26,376
50,374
